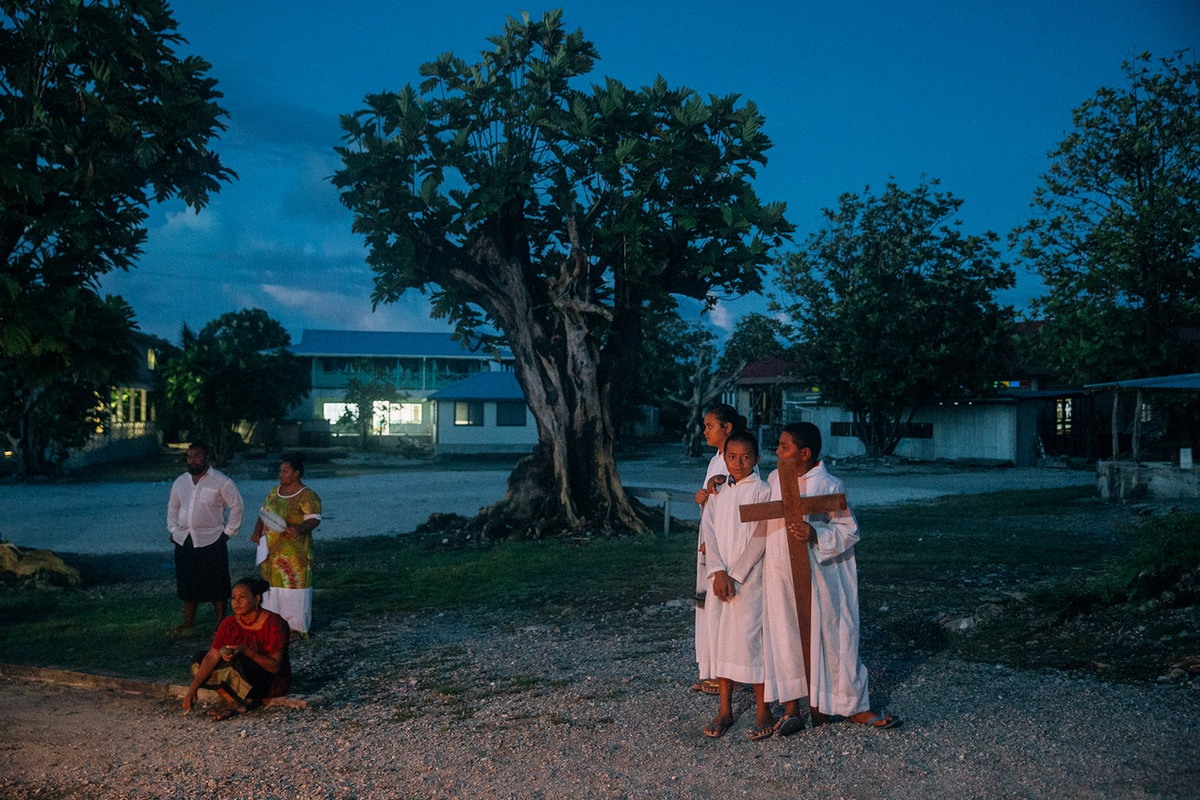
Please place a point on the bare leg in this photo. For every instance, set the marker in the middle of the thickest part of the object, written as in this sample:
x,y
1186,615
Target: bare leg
x,y
763,716
724,717
189,616
219,610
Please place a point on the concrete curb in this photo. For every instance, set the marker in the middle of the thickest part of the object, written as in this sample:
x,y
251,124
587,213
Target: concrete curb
x,y
157,690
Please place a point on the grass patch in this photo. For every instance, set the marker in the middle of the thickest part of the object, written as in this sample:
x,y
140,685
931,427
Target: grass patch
x,y
1037,571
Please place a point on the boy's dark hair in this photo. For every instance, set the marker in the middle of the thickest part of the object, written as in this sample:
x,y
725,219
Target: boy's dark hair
x,y
746,438
805,434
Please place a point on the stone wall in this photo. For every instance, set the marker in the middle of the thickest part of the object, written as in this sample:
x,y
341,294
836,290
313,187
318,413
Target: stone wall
x,y
1126,480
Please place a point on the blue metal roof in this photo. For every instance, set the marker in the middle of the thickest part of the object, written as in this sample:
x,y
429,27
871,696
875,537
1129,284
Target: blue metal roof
x,y
394,344
1189,382
483,386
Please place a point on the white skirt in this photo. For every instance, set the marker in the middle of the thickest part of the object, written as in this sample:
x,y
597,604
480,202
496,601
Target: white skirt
x,y
294,605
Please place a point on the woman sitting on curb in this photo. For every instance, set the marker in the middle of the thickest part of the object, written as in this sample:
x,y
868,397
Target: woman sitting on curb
x,y
248,659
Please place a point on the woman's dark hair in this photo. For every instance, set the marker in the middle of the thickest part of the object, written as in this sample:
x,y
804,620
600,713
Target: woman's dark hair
x,y
805,434
726,413
257,586
296,459
745,437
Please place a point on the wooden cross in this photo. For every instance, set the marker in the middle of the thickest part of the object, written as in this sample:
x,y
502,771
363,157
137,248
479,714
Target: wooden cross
x,y
793,509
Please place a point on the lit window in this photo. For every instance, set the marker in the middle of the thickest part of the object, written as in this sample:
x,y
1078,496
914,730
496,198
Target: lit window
x,y
1062,417
468,413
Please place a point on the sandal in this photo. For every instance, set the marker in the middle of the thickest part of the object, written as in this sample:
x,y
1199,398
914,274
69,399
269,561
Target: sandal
x,y
716,730
707,686
789,724
765,732
881,720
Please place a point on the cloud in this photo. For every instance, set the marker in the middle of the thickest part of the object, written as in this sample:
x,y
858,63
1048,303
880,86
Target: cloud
x,y
188,221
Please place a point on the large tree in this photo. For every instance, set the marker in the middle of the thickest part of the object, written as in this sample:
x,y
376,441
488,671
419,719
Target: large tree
x,y
98,118
892,305
236,370
556,215
1116,238
45,411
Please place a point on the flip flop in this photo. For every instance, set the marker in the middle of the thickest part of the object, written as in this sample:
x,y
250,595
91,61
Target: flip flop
x,y
716,730
758,734
789,724
881,720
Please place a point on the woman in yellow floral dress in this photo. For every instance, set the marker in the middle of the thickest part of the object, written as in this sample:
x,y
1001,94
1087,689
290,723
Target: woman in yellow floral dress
x,y
286,522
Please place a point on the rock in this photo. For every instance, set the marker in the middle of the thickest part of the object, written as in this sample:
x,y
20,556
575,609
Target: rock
x,y
959,624
38,568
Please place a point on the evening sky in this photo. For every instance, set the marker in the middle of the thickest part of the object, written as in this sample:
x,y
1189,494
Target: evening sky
x,y
971,92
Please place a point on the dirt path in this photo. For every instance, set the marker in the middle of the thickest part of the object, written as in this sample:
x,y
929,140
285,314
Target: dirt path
x,y
466,707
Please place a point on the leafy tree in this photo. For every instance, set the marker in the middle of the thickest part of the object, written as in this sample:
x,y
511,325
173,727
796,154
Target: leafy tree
x,y
557,216
45,411
755,337
361,397
892,306
237,369
98,118
1115,238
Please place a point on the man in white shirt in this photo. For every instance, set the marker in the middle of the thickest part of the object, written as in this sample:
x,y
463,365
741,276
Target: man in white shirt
x,y
205,509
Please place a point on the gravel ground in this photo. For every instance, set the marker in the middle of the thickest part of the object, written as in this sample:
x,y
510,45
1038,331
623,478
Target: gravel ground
x,y
468,706
442,705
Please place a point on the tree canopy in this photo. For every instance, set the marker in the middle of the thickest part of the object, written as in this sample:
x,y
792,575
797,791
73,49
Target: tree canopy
x,y
1115,238
98,118
237,369
556,215
755,337
892,306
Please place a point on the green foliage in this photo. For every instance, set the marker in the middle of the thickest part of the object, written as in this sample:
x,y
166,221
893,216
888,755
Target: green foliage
x,y
1166,548
238,368
755,338
362,396
559,216
892,306
51,394
1115,238
676,364
98,118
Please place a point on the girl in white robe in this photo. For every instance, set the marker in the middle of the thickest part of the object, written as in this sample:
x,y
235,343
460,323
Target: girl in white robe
x,y
720,421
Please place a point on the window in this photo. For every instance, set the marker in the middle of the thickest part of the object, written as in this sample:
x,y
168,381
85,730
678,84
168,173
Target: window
x,y
385,418
510,414
468,412
1062,417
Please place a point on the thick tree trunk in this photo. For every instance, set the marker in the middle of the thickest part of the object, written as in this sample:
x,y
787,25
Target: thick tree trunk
x,y
569,483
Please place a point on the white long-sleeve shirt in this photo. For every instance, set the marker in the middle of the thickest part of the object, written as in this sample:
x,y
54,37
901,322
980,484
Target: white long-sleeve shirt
x,y
197,509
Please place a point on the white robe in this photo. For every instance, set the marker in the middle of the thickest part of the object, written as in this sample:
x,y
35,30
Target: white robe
x,y
839,677
716,466
734,627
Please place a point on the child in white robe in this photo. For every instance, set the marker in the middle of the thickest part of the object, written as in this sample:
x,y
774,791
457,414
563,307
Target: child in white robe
x,y
840,686
733,611
719,422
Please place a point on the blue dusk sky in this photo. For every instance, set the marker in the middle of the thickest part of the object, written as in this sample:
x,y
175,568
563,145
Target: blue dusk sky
x,y
971,92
